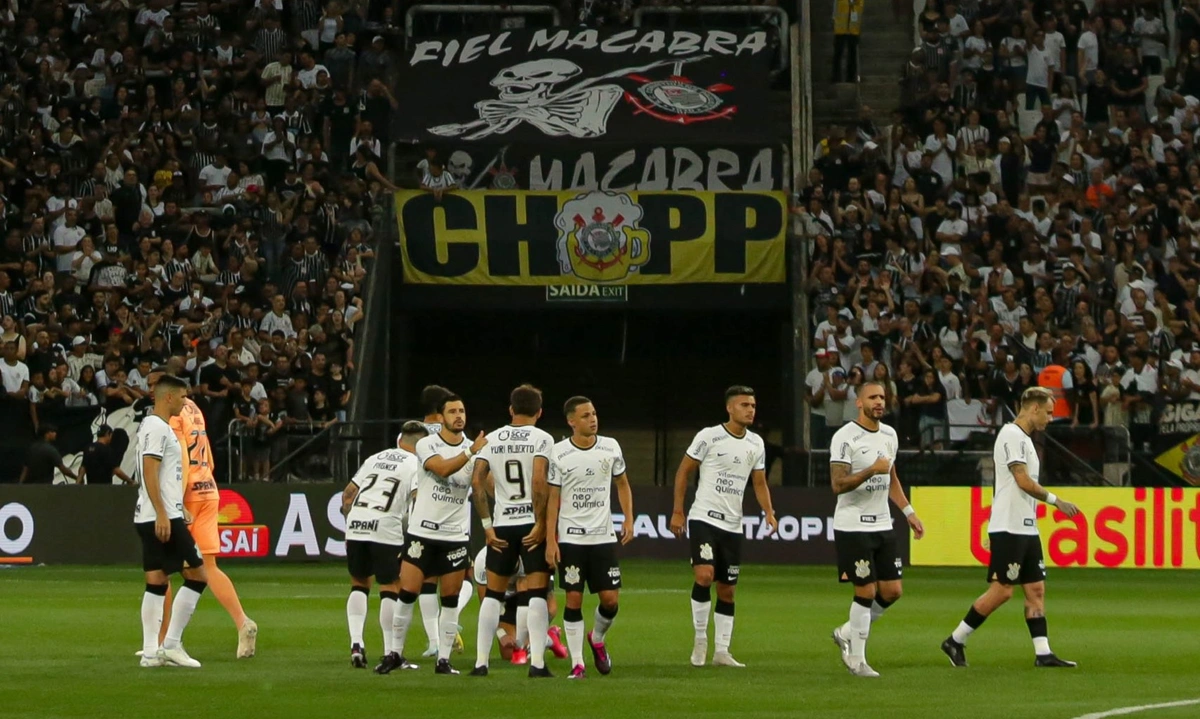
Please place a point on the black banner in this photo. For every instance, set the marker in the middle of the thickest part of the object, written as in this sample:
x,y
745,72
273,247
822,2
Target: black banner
x,y
1179,420
303,523
644,168
629,86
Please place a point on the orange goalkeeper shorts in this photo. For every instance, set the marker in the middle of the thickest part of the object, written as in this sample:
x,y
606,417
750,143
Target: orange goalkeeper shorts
x,y
204,525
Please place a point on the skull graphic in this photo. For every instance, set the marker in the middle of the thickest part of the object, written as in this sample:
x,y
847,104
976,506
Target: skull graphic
x,y
530,81
460,165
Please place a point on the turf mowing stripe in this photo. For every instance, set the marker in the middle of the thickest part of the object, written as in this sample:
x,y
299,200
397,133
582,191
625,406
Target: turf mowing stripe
x,y
1134,710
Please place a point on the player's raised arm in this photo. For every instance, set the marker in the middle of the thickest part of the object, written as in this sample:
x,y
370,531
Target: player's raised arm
x,y
843,480
687,467
896,494
762,493
446,466
625,497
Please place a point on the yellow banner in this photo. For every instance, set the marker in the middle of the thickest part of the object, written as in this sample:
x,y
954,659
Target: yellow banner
x,y
1118,527
1183,459
608,238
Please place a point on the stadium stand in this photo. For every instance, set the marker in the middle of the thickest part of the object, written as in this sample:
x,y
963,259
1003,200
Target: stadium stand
x,y
189,184
1028,218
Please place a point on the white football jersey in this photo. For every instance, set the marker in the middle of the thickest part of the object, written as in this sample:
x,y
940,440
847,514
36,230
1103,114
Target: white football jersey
x,y
380,510
155,438
864,508
509,455
585,478
726,463
1013,510
440,511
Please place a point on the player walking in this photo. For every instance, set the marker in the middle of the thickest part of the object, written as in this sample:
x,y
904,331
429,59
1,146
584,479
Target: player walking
x,y
201,499
726,456
862,471
375,504
1013,531
518,456
439,528
167,547
583,469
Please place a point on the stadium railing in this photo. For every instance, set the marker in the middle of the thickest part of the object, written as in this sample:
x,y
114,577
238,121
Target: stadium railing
x,y
317,453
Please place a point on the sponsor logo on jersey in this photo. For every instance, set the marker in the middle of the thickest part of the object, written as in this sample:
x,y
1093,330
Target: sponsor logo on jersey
x,y
862,569
734,571
365,526
514,435
614,572
577,531
518,510
426,524
716,515
239,535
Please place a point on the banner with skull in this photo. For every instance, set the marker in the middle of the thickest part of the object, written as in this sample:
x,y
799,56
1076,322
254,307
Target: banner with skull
x,y
567,85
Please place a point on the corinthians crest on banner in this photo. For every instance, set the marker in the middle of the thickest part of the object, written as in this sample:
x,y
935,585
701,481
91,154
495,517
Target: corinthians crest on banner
x,y
600,239
632,85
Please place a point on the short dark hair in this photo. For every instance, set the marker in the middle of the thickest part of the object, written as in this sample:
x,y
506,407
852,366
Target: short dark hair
x,y
526,400
572,404
412,431
738,390
46,428
447,399
431,398
868,382
103,431
169,382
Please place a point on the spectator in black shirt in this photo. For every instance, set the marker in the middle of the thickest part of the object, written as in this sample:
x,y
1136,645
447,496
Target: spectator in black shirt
x,y
1129,85
43,458
99,463
1099,97
929,183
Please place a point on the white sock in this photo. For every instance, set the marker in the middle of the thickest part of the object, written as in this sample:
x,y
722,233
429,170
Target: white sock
x,y
575,642
1041,646
724,624
522,626
387,615
401,619
860,629
700,611
961,632
489,621
181,613
429,616
538,618
876,611
356,616
601,626
448,626
464,595
152,616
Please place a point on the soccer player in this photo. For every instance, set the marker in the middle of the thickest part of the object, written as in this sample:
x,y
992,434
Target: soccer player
x,y
518,455
513,631
375,504
201,499
439,528
726,456
1013,531
581,541
167,547
431,403
862,471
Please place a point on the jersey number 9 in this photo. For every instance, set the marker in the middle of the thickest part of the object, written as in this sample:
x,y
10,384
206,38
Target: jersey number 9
x,y
513,474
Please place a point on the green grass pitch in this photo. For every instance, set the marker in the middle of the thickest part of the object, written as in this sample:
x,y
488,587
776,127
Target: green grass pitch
x,y
67,636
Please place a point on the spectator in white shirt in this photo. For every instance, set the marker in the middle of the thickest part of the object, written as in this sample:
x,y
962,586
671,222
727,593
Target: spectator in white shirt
x,y
1039,75
1152,38
213,176
1089,49
276,321
66,240
952,229
949,380
437,180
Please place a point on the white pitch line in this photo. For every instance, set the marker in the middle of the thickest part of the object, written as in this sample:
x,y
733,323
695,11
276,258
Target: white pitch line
x,y
1134,710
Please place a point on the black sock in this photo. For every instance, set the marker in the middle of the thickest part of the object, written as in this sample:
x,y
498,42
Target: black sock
x,y
1037,627
364,590
883,603
701,594
974,619
389,595
429,588
159,590
195,585
606,612
573,615
863,601
724,607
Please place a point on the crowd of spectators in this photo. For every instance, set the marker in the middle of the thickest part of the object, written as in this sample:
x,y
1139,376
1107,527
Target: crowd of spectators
x,y
1031,216
191,185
